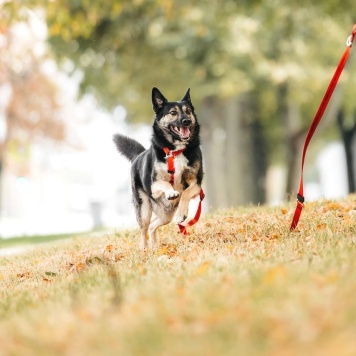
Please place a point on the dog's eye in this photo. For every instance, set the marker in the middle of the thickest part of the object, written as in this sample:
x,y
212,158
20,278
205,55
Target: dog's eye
x,y
188,111
173,113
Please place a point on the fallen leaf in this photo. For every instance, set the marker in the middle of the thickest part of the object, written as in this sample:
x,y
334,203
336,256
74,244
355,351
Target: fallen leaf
x,y
109,248
274,274
119,257
141,269
169,250
202,269
23,275
273,236
321,226
79,267
50,274
94,260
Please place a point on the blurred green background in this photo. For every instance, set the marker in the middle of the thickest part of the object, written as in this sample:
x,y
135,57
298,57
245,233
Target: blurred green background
x,y
257,72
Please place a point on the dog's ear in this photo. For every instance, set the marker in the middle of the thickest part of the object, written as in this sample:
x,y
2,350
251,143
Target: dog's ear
x,y
187,98
158,100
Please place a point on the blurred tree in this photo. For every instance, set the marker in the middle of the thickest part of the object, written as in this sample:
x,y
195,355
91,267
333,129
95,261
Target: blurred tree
x,y
28,105
348,135
257,68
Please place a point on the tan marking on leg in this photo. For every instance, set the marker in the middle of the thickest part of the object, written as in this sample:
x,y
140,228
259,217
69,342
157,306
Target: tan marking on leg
x,y
191,192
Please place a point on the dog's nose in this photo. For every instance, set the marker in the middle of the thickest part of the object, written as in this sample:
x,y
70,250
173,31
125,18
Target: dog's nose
x,y
186,122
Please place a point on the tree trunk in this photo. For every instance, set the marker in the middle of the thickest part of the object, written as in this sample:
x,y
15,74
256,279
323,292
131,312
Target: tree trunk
x,y
214,152
246,152
294,135
234,152
348,135
235,144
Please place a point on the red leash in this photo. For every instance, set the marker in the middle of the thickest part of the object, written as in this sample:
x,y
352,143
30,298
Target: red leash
x,y
315,122
170,155
183,226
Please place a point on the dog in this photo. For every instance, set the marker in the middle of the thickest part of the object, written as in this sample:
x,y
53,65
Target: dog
x,y
167,175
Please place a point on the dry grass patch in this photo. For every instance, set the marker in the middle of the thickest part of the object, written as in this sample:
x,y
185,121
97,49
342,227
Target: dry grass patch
x,y
239,283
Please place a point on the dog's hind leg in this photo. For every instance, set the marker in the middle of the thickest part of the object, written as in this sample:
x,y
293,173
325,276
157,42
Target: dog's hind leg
x,y
143,214
156,222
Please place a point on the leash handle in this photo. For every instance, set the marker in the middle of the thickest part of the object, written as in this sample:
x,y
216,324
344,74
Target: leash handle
x,y
183,226
318,116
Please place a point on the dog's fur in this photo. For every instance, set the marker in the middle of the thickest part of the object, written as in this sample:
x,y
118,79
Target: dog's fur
x,y
156,201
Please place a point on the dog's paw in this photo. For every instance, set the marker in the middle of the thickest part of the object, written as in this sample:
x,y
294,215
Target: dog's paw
x,y
180,217
143,245
171,194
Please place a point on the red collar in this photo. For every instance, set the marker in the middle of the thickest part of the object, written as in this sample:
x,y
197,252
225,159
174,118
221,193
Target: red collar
x,y
170,155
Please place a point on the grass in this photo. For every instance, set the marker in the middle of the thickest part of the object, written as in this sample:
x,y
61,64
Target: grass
x,y
239,284
31,240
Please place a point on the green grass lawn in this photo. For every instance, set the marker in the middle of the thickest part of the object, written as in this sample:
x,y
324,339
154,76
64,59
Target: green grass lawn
x,y
239,284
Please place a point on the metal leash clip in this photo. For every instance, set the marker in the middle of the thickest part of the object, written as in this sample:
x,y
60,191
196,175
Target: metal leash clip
x,y
349,41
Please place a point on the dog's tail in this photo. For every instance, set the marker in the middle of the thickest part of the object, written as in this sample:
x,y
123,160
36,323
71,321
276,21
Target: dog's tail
x,y
127,146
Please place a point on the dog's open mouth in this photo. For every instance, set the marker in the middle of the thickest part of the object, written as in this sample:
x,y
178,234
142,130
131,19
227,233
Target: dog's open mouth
x,y
182,132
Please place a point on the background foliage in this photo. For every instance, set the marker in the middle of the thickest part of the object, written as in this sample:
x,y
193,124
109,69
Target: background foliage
x,y
257,69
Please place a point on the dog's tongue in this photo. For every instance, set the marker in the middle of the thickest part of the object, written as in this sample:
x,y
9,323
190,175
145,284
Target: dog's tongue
x,y
184,131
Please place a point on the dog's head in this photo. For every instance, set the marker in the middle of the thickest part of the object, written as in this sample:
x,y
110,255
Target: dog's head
x,y
176,120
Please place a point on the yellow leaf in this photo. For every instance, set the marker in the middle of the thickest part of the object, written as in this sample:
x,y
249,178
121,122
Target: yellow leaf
x,y
162,251
119,257
169,250
321,226
79,266
109,248
180,291
202,269
274,274
141,269
23,275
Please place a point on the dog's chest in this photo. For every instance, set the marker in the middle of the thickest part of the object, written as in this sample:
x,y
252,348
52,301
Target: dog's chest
x,y
180,167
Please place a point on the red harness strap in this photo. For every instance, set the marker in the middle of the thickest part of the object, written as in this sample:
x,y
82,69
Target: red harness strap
x,y
170,155
315,122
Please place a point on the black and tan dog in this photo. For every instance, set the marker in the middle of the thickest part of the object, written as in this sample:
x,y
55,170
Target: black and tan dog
x,y
159,195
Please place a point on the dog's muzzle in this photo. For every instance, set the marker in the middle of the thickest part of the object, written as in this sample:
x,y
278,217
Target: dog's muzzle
x,y
186,122
183,131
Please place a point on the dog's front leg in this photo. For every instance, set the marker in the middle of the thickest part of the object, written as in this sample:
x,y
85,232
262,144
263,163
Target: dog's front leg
x,y
161,187
191,192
